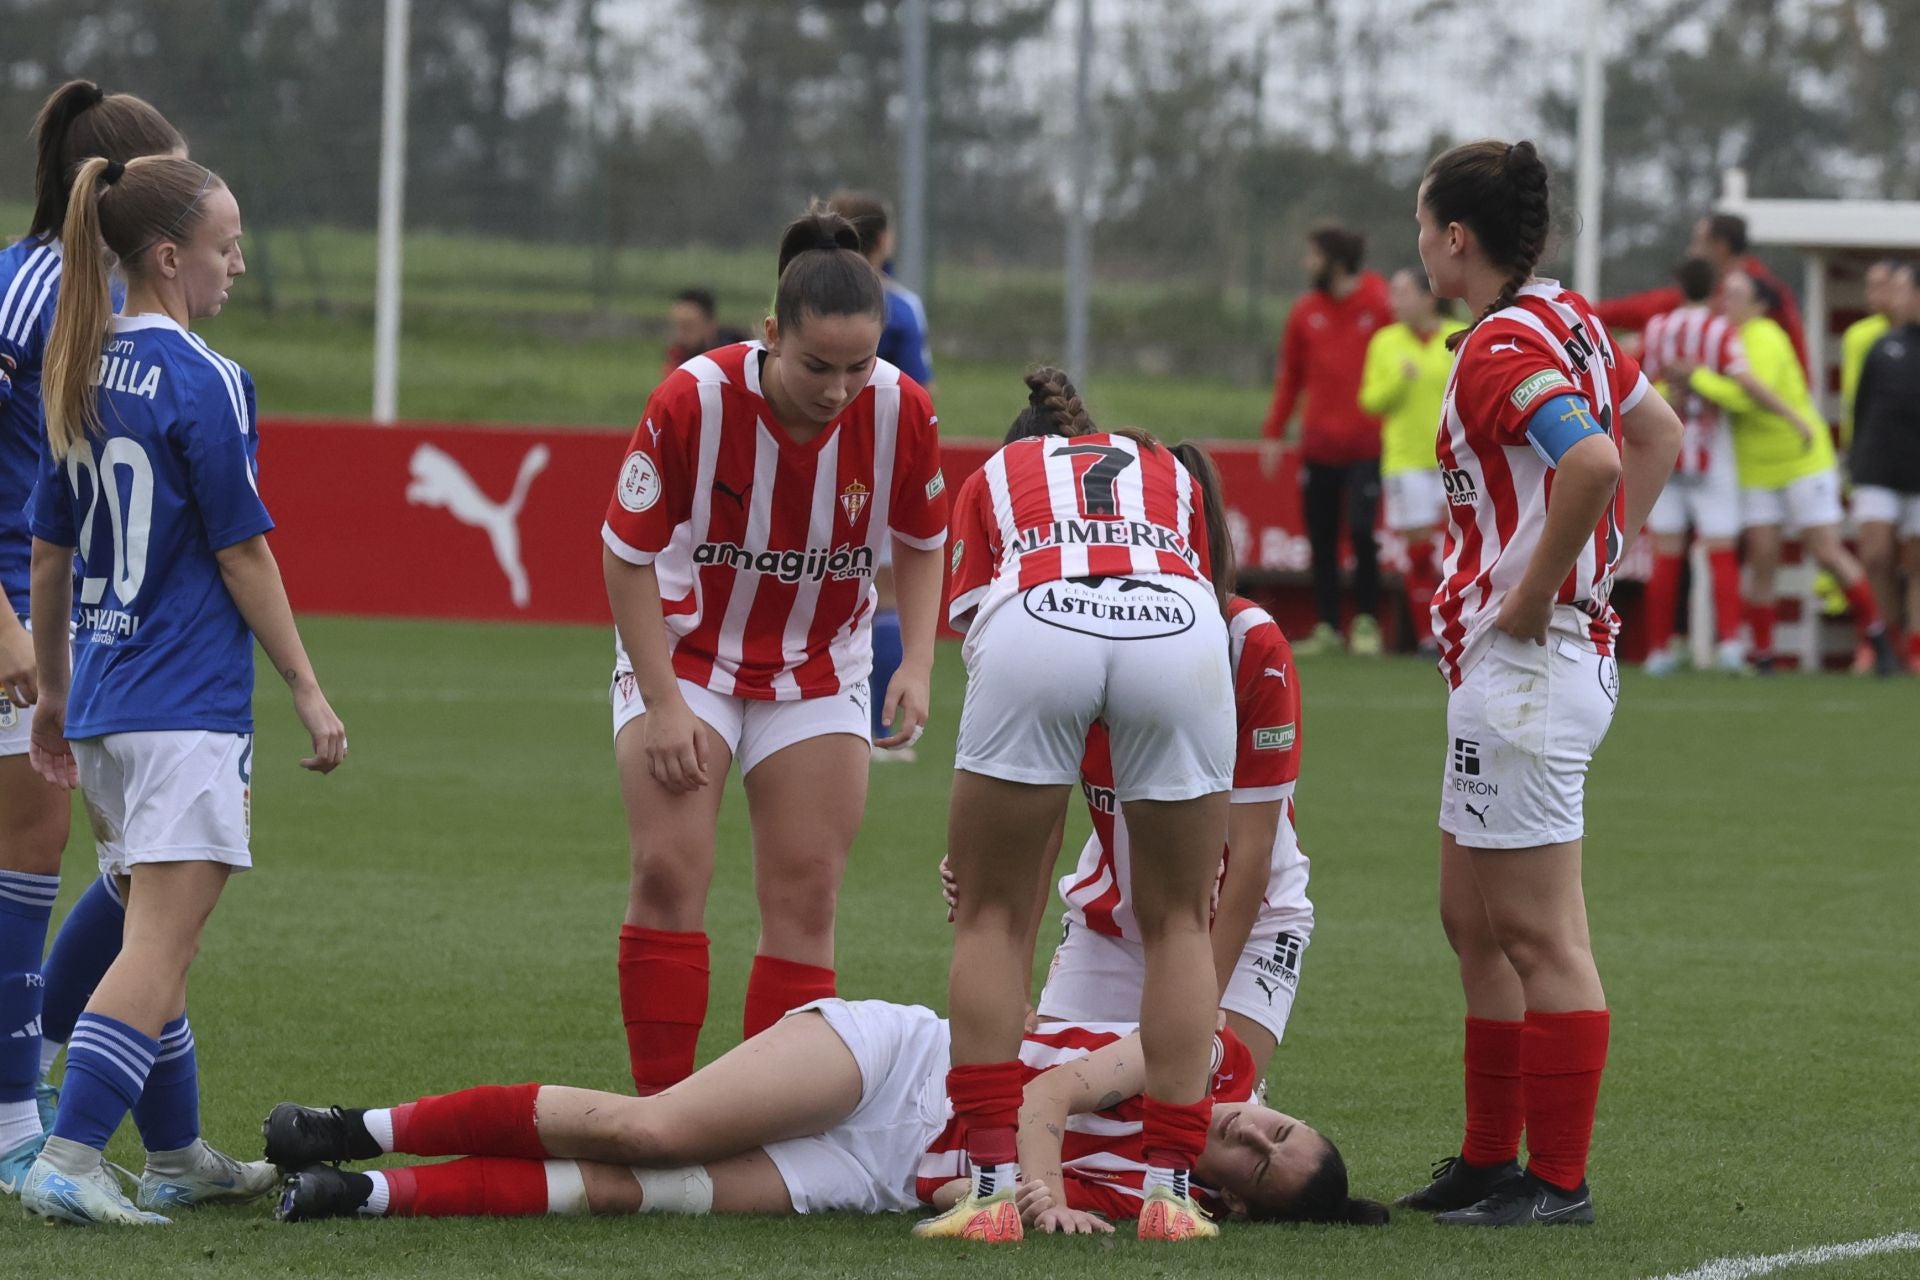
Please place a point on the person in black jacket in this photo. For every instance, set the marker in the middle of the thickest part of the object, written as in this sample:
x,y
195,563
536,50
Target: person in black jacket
x,y
1886,458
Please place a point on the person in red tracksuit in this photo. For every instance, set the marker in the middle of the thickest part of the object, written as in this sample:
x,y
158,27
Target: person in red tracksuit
x,y
1721,239
1322,354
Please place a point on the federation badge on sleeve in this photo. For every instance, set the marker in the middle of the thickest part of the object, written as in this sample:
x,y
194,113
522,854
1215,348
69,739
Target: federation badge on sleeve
x,y
853,500
639,486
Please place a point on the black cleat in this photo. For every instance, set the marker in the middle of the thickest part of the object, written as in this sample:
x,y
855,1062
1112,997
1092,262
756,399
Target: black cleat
x,y
1529,1202
299,1137
322,1192
1764,665
1885,661
1457,1184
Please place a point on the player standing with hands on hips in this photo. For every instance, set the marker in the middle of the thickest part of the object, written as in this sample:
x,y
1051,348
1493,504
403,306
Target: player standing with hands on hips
x,y
149,476
741,543
1554,447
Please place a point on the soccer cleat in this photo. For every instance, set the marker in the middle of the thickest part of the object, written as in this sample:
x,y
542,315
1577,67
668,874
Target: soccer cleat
x,y
322,1192
84,1199
213,1178
1885,661
299,1137
1363,638
993,1220
15,1164
1167,1215
1458,1185
1730,656
1322,640
47,1098
1662,662
1529,1202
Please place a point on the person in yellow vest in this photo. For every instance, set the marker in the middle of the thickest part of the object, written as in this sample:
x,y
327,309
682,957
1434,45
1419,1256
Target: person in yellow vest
x,y
1404,384
1789,479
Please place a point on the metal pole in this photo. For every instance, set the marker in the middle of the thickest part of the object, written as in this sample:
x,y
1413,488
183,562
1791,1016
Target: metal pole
x,y
1256,198
1079,248
1593,101
910,258
393,168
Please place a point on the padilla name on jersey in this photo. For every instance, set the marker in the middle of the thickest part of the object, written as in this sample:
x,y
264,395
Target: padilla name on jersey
x,y
1694,335
1547,343
1056,508
29,283
1102,1153
1266,766
765,549
147,502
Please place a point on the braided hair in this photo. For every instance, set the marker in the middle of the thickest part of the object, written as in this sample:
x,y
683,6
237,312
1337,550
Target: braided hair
x,y
1497,190
1054,407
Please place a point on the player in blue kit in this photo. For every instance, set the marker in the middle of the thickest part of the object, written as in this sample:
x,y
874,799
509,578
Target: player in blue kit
x,y
77,121
149,475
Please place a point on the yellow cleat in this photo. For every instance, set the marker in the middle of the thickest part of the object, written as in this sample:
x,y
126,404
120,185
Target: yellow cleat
x,y
994,1220
1170,1217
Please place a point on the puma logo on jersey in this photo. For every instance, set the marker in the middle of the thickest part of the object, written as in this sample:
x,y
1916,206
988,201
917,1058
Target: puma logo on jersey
x,y
439,481
654,432
1508,345
1276,673
739,497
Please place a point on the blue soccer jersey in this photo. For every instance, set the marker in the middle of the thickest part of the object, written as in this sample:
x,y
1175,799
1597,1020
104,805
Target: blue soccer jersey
x,y
903,338
29,281
171,480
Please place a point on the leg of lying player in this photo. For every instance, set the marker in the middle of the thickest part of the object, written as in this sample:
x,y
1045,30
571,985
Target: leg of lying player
x,y
694,1148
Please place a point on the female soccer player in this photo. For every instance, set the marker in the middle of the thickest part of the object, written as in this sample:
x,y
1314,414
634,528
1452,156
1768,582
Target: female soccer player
x,y
1081,579
837,1107
740,549
148,474
1554,448
1402,384
77,121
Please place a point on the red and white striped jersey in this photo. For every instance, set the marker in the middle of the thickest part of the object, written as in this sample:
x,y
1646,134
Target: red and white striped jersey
x,y
1694,335
1547,343
765,548
1101,1152
1056,507
1266,765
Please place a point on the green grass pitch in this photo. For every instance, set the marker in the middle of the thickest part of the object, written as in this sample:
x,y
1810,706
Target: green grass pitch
x,y
442,913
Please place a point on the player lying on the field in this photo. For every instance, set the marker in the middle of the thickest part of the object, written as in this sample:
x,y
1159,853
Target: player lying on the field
x,y
839,1106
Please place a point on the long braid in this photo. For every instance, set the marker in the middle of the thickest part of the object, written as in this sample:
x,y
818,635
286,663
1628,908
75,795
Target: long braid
x,y
1052,393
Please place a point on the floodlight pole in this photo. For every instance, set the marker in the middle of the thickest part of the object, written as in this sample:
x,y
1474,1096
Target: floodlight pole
x,y
1592,130
910,260
1079,247
393,170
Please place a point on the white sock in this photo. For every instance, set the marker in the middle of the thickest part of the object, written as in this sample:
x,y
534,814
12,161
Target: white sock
x,y
74,1159
19,1122
379,1122
184,1160
992,1178
376,1205
1174,1179
49,1050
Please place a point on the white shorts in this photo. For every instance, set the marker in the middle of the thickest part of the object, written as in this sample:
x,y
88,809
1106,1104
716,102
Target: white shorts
x,y
754,729
1807,503
16,722
1521,729
1708,502
1096,977
1146,655
1415,499
172,795
868,1162
1874,505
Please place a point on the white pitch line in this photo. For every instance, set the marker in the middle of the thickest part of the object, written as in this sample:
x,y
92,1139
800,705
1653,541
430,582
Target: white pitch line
x,y
1768,1263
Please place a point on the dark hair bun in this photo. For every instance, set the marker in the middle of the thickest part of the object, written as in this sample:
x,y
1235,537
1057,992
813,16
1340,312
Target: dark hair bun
x,y
817,230
1366,1213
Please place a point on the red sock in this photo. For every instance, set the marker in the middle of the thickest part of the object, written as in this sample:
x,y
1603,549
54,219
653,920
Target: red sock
x,y
1913,648
492,1120
1423,579
1663,590
1495,1112
774,986
1173,1134
1561,1058
1724,565
480,1187
986,1101
663,1001
1760,623
1866,610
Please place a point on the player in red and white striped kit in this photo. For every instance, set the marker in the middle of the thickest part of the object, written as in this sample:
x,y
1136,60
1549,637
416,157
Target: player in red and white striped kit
x,y
1553,447
1080,574
761,485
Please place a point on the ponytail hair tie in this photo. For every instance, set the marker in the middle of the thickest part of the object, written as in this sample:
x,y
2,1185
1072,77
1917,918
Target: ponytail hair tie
x,y
112,173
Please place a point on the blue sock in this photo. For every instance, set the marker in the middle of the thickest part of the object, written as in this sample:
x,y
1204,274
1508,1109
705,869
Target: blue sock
x,y
26,904
107,1066
83,949
886,660
168,1113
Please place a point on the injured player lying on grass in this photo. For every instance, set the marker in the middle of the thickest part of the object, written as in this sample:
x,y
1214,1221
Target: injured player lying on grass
x,y
838,1107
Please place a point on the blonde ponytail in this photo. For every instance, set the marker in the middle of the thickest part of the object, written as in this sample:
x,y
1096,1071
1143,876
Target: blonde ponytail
x,y
80,318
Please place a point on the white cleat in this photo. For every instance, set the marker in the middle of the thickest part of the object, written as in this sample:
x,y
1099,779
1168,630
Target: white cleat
x,y
1731,657
208,1177
1663,662
84,1199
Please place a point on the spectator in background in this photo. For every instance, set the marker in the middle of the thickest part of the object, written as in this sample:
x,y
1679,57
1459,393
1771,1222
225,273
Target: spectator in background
x,y
903,342
695,328
1721,239
1322,355
1405,384
1862,334
1886,456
